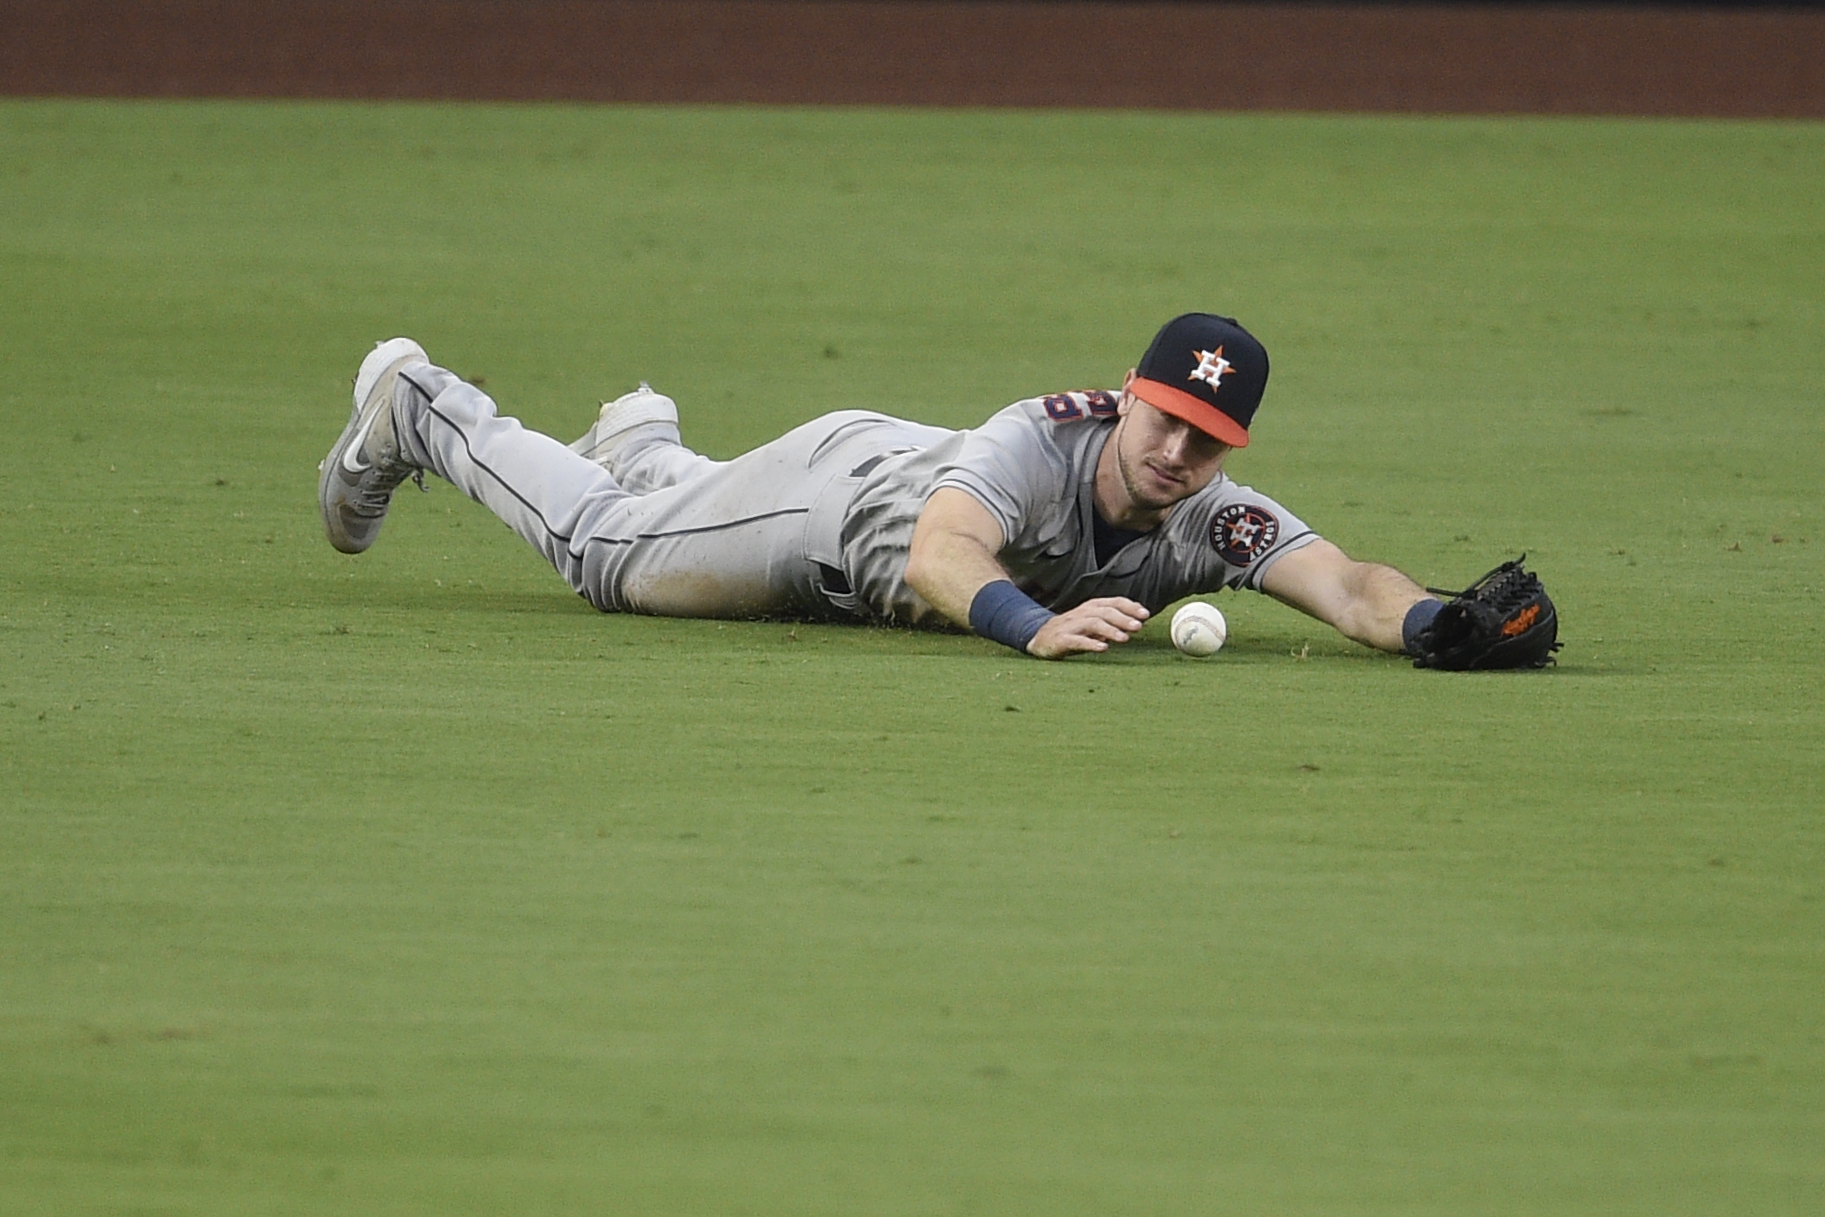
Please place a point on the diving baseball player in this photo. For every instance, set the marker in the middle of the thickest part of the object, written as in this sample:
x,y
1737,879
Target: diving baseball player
x,y
1057,527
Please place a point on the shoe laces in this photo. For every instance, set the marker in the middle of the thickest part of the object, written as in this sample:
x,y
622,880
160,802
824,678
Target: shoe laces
x,y
383,479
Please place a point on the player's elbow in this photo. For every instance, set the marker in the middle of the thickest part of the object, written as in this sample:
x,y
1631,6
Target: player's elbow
x,y
939,571
921,567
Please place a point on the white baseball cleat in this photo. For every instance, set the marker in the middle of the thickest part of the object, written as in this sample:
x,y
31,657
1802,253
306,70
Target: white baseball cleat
x,y
357,479
617,420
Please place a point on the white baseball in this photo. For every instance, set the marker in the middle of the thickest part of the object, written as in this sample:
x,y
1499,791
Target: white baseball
x,y
1199,629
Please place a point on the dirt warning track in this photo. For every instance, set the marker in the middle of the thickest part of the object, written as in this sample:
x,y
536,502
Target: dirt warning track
x,y
1191,56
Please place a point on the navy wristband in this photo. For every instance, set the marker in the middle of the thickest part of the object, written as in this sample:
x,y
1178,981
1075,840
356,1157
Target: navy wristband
x,y
1003,613
1418,618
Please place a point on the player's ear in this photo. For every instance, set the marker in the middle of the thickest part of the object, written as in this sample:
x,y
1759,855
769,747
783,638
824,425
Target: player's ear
x,y
1127,399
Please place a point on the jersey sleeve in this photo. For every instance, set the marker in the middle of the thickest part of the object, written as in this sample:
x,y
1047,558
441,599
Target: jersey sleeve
x,y
1011,466
1245,533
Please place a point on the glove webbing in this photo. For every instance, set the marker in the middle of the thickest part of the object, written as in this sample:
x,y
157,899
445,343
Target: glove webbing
x,y
1496,588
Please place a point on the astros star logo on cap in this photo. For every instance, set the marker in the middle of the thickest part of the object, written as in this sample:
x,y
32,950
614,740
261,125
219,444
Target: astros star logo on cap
x,y
1210,369
1205,370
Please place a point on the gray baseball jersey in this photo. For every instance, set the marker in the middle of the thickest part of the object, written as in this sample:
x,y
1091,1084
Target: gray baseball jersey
x,y
1033,465
818,523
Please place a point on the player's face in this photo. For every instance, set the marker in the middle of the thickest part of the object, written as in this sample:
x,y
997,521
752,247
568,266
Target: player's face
x,y
1162,459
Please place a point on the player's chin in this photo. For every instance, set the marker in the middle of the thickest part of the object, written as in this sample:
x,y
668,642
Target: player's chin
x,y
1160,501
1164,490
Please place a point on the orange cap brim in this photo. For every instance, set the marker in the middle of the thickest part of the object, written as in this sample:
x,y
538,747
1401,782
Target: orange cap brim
x,y
1200,414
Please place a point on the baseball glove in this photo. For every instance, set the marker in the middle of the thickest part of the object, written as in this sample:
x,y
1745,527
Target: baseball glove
x,y
1503,620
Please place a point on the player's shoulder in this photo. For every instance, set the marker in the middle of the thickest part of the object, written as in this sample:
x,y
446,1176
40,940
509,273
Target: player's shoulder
x,y
1062,421
1046,443
1075,406
1079,405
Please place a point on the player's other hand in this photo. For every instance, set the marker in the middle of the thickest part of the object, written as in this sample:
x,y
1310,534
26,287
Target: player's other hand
x,y
1091,626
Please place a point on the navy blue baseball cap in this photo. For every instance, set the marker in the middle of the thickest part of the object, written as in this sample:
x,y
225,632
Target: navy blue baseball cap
x,y
1207,370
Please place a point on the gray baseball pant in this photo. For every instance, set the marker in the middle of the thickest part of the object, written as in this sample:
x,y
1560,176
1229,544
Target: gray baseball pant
x,y
682,535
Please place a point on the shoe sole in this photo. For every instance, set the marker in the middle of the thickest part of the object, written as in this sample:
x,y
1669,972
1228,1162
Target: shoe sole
x,y
385,359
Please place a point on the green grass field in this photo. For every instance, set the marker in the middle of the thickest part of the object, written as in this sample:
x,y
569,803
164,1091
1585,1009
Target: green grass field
x,y
407,884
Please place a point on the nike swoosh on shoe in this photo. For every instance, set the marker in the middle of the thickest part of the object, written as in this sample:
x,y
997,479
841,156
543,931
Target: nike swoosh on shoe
x,y
351,455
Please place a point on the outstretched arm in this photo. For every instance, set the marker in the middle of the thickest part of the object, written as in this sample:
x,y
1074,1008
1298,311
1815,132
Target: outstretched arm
x,y
1363,601
953,559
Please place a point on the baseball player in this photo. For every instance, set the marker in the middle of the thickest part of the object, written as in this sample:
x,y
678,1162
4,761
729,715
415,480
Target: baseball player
x,y
1059,526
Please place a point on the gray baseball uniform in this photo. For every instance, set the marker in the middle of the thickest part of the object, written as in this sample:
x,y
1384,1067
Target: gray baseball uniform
x,y
818,523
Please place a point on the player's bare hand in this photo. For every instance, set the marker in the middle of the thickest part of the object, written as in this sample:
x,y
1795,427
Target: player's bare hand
x,y
1091,626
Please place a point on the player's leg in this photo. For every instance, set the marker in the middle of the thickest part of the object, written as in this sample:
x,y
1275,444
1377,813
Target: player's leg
x,y
411,416
743,538
730,543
